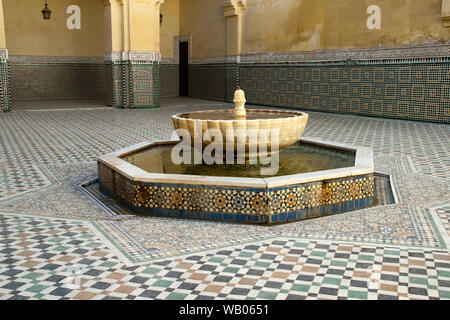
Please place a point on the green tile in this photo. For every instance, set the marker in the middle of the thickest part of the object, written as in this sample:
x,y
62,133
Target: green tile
x,y
33,275
336,263
231,270
60,248
150,270
300,287
392,252
267,295
300,245
366,258
36,288
216,259
441,273
333,281
416,280
319,253
176,296
246,254
108,264
39,296
262,264
162,283
357,295
444,294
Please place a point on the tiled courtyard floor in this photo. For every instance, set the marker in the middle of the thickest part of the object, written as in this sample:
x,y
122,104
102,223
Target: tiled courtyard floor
x,y
57,242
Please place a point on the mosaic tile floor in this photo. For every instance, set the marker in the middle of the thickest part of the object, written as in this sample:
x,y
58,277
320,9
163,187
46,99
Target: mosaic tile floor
x,y
57,241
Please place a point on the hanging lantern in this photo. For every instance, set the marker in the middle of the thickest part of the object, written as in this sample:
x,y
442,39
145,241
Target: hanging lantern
x,y
46,13
160,18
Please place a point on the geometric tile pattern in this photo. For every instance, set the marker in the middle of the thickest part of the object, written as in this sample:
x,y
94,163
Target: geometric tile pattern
x,y
63,80
17,180
391,251
67,262
231,204
444,216
213,81
407,91
133,84
169,80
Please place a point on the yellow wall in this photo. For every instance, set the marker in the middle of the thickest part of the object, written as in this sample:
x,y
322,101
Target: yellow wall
x,y
303,25
2,28
205,22
268,26
27,33
170,27
282,25
404,22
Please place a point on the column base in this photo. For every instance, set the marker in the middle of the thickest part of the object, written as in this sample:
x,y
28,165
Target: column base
x,y
134,83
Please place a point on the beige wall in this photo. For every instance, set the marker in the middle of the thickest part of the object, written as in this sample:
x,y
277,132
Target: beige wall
x,y
283,25
170,27
205,22
27,33
404,22
268,26
302,25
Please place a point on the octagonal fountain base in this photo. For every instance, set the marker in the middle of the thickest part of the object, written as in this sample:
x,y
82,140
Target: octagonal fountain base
x,y
157,188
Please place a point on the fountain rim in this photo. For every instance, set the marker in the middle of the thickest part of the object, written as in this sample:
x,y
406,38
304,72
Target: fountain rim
x,y
364,164
295,115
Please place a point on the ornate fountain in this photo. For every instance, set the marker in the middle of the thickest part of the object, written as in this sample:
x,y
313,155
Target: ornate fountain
x,y
288,125
313,179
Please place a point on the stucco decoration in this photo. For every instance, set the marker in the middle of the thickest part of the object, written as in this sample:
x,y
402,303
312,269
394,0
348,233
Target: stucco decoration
x,y
233,7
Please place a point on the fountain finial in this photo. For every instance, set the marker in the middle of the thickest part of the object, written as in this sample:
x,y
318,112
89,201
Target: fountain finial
x,y
239,104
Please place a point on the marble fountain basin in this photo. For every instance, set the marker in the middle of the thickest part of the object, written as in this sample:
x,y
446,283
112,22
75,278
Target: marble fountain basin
x,y
289,126
316,179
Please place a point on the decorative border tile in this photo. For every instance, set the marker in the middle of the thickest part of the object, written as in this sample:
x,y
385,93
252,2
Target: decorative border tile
x,y
272,200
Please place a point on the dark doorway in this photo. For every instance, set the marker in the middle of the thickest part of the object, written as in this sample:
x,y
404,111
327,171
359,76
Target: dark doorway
x,y
184,69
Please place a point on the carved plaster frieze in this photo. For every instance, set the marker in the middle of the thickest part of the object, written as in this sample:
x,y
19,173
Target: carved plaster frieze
x,y
233,7
133,56
415,51
3,54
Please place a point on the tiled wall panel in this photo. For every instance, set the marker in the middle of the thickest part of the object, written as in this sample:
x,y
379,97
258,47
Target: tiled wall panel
x,y
30,81
213,82
404,91
412,91
133,84
5,87
169,80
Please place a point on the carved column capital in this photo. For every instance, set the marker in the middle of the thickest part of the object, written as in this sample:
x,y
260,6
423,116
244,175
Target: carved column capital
x,y
233,7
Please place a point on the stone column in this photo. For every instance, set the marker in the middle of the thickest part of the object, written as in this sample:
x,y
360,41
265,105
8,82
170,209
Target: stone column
x,y
133,59
233,12
5,89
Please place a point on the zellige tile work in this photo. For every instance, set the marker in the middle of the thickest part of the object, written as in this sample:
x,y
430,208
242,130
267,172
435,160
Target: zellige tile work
x,y
410,82
53,229
414,90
